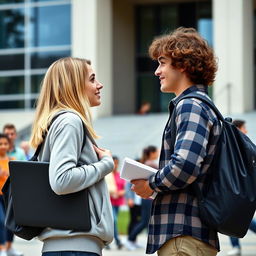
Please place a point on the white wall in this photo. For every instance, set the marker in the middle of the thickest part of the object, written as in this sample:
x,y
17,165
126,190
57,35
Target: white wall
x,y
92,39
21,119
233,44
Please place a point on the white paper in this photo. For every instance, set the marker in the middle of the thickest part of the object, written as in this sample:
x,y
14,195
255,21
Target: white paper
x,y
133,170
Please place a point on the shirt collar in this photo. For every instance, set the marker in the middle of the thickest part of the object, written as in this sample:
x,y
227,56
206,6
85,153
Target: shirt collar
x,y
14,150
193,88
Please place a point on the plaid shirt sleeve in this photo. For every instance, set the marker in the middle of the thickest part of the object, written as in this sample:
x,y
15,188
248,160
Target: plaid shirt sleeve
x,y
193,129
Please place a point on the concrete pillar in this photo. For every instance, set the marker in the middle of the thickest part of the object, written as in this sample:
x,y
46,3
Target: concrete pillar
x,y
92,39
233,44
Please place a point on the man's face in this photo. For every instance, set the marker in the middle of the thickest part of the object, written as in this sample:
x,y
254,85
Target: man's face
x,y
169,76
11,133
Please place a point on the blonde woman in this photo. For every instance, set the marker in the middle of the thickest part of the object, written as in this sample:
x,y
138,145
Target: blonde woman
x,y
70,86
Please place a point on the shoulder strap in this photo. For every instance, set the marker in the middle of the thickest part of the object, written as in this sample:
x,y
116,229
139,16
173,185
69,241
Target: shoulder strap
x,y
205,100
35,156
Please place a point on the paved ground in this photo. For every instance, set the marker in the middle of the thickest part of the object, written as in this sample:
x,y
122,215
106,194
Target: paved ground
x,y
33,248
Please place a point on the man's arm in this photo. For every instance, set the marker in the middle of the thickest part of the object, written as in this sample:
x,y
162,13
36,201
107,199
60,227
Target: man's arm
x,y
193,129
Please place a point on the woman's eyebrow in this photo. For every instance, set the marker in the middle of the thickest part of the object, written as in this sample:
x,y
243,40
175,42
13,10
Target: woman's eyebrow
x,y
92,75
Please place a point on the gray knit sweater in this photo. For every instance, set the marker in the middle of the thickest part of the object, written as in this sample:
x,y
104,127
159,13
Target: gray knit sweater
x,y
62,148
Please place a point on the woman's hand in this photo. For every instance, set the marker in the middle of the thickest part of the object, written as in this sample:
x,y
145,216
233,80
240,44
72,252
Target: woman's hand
x,y
101,152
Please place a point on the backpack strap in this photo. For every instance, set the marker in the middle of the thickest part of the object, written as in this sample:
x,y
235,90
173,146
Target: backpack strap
x,y
39,147
194,187
205,100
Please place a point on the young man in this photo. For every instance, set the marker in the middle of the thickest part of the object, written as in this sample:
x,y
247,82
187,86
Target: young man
x,y
16,152
186,65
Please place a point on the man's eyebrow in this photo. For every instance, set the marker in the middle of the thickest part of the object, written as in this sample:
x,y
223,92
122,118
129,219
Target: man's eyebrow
x,y
161,58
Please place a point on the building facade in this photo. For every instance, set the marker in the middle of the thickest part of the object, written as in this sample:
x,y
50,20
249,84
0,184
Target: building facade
x,y
115,36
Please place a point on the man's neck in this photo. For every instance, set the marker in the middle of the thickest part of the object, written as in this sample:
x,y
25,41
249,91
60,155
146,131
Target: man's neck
x,y
184,84
11,148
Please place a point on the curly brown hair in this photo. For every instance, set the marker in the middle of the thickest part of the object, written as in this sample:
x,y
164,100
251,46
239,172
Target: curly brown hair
x,y
188,51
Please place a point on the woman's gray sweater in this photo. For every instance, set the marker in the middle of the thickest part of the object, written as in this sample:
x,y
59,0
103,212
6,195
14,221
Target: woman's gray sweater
x,y
62,148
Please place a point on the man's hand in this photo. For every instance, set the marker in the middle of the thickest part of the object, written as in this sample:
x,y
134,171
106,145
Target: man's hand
x,y
142,188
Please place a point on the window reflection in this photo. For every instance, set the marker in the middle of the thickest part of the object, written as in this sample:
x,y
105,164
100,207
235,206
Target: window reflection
x,y
12,85
45,59
50,25
12,104
12,28
11,1
205,28
12,62
44,0
36,83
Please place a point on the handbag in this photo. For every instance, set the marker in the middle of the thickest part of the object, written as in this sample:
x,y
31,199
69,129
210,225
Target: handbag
x,y
14,223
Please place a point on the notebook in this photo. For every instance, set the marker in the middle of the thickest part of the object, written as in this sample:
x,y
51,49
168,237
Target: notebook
x,y
36,205
133,170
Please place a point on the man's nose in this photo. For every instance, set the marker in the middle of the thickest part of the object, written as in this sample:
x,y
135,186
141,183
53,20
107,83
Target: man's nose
x,y
157,72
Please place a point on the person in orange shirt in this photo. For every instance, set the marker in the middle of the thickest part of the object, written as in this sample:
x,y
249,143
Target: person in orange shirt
x,y
6,236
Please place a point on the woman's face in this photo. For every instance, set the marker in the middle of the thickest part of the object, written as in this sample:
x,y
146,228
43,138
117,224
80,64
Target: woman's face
x,y
93,88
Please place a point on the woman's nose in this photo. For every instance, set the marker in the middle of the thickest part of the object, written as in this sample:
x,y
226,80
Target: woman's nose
x,y
99,85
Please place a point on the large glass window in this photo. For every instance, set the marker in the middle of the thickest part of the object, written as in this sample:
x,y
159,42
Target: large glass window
x,y
12,104
12,28
12,85
50,25
36,81
45,59
11,1
12,62
44,0
33,34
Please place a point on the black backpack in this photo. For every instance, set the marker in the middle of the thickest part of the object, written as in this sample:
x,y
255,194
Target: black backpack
x,y
228,200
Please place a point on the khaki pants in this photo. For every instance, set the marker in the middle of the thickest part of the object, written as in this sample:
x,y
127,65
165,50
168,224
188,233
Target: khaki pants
x,y
186,246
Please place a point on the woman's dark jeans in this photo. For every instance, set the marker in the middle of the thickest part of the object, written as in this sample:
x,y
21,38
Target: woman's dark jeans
x,y
69,253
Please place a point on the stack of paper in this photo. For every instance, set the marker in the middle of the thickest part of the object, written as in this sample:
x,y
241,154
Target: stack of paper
x,y
133,170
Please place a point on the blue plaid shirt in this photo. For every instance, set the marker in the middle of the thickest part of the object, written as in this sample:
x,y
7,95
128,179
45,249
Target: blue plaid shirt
x,y
174,210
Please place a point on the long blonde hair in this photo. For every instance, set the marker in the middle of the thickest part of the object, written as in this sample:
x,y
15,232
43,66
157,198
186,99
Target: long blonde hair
x,y
63,88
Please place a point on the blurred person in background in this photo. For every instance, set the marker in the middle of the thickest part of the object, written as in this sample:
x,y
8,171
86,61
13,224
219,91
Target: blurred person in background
x,y
117,199
14,151
236,251
6,236
144,108
26,148
150,156
133,201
